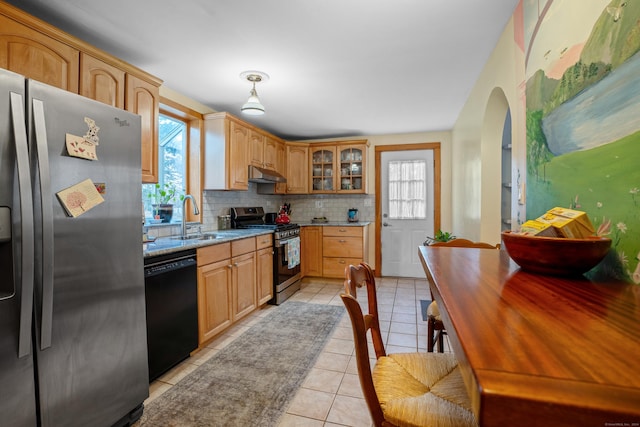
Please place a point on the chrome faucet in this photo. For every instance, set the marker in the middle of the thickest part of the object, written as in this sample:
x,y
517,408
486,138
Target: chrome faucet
x,y
184,213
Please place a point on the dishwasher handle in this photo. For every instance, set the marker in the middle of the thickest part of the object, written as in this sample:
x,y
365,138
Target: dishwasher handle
x,y
169,265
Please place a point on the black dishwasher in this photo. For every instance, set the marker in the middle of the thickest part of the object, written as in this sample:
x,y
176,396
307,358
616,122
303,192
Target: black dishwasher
x,y
171,296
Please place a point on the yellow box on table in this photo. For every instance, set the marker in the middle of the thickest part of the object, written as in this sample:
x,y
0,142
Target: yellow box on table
x,y
567,223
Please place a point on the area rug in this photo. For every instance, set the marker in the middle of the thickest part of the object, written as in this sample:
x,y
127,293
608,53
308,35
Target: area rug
x,y
252,380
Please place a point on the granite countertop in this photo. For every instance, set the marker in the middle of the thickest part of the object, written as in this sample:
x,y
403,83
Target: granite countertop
x,y
167,245
335,223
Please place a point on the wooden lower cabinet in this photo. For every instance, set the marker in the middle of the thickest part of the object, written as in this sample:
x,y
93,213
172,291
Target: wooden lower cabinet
x,y
243,278
234,278
214,291
214,300
327,250
341,246
264,268
311,250
264,275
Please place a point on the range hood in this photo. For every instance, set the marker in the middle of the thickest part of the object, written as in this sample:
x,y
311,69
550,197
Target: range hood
x,y
264,176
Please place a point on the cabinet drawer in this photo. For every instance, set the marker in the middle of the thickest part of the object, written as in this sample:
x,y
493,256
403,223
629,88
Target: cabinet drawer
x,y
213,253
264,241
243,246
342,246
342,231
334,267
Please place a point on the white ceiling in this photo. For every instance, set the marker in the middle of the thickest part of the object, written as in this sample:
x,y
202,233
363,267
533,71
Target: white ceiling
x,y
337,67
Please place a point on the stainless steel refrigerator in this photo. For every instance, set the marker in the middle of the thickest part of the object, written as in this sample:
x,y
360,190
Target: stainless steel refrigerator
x,y
73,348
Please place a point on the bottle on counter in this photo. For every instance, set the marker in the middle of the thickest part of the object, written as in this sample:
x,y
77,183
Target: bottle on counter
x,y
224,222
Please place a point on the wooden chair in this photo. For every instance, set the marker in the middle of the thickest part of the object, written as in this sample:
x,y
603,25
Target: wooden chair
x,y
404,389
435,327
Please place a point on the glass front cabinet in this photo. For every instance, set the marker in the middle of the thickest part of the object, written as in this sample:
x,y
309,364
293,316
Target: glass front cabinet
x,y
339,167
322,169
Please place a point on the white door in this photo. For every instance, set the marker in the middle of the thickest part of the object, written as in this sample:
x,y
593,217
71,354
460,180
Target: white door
x,y
407,205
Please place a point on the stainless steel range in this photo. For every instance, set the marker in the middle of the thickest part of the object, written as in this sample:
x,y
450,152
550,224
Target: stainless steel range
x,y
286,250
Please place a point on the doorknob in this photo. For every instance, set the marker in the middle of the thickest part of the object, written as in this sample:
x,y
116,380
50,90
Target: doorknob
x,y
386,224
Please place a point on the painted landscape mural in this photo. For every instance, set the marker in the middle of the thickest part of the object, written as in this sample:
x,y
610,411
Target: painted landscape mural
x,y
583,118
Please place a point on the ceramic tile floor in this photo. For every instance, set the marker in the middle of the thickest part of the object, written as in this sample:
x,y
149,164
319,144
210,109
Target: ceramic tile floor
x,y
331,394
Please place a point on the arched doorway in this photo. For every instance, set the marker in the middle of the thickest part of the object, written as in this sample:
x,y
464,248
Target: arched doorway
x,y
497,175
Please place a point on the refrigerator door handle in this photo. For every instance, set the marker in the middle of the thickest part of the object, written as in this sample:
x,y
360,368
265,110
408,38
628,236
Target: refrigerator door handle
x,y
26,223
46,320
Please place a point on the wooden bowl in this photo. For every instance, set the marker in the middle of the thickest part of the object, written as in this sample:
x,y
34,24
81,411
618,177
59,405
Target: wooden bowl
x,y
554,255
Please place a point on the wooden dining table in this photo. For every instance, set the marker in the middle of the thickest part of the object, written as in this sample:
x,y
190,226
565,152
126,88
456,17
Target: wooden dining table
x,y
537,350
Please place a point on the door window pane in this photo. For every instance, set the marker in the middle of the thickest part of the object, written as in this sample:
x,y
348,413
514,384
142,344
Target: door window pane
x,y
407,189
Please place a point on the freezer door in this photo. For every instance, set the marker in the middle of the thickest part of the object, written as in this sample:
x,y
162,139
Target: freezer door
x,y
17,386
90,314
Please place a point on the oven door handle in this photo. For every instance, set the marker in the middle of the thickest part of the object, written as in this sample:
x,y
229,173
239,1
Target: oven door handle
x,y
282,243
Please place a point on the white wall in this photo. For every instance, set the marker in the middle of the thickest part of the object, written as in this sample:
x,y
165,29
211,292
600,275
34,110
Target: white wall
x,y
476,143
183,100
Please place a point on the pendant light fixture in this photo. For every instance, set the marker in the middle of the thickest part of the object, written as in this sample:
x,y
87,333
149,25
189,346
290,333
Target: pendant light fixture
x,y
253,106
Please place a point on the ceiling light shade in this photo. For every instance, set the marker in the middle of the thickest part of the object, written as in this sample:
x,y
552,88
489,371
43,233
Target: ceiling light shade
x,y
253,106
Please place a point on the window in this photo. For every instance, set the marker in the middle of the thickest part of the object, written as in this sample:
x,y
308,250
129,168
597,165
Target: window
x,y
408,189
172,155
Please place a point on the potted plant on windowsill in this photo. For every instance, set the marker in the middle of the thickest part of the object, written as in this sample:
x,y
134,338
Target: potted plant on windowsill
x,y
162,200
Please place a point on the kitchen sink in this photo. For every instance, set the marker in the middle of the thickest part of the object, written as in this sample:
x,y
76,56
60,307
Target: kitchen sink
x,y
220,234
188,237
210,236
204,236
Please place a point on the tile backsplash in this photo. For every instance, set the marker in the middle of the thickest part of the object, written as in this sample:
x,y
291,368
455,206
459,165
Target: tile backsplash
x,y
334,207
303,207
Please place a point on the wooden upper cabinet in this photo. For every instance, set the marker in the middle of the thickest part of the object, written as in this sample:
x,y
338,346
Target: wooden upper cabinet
x,y
271,153
338,167
322,165
238,157
256,144
40,51
143,98
228,143
281,166
297,168
101,81
351,168
33,54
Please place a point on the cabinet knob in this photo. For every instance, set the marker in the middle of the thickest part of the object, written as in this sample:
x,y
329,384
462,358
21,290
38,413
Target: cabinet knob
x,y
229,266
342,241
342,230
235,264
342,261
